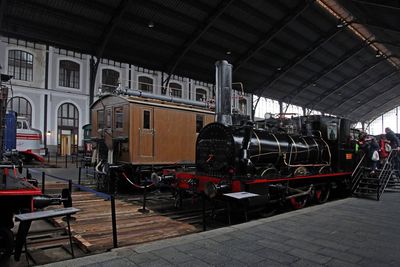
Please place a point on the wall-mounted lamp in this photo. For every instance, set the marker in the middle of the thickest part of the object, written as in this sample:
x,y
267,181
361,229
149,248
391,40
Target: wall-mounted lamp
x,y
48,133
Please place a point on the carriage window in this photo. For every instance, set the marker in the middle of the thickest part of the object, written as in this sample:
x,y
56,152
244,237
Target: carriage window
x,y
19,125
25,125
100,119
146,119
199,123
118,117
108,118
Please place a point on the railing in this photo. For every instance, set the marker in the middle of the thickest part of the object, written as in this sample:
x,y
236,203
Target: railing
x,y
386,173
71,184
357,174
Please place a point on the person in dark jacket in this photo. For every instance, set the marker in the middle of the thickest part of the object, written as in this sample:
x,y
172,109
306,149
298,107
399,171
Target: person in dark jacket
x,y
394,143
391,136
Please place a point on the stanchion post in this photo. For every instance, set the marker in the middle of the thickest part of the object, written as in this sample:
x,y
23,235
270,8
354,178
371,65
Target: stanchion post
x,y
43,181
204,211
66,161
79,175
114,222
143,209
70,186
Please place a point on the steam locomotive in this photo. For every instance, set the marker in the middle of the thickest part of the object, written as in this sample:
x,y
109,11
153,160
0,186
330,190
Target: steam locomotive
x,y
303,159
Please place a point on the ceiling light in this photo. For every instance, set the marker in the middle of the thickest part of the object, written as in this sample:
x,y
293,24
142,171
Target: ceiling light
x,y
228,52
340,24
378,54
151,24
278,68
314,84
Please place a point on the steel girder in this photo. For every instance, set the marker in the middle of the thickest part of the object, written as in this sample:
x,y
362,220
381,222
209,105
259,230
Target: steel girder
x,y
383,108
365,3
384,78
299,59
108,30
373,99
196,35
326,71
282,24
315,102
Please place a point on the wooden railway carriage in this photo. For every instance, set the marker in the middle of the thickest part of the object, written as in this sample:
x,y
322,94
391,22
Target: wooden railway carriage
x,y
142,131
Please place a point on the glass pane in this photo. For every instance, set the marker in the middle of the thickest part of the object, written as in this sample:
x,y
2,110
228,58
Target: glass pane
x,y
146,119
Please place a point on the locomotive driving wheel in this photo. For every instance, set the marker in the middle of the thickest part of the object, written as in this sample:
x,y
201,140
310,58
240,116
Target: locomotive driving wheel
x,y
298,202
321,193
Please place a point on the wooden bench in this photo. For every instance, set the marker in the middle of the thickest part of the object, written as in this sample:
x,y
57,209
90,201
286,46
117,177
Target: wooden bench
x,y
26,219
241,197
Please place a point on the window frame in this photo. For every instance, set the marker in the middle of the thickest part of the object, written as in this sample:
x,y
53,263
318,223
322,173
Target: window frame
x,y
76,83
23,64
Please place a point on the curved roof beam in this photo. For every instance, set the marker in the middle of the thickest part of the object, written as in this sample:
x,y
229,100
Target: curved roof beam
x,y
373,99
384,78
389,105
376,5
281,25
3,6
316,101
299,59
348,55
109,29
196,35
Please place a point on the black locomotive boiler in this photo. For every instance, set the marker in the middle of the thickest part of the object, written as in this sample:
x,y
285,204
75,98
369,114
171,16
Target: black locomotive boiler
x,y
305,159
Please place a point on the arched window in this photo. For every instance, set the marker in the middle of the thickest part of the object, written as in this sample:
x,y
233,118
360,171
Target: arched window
x,y
68,127
201,94
22,106
243,106
20,65
69,74
176,90
109,80
145,84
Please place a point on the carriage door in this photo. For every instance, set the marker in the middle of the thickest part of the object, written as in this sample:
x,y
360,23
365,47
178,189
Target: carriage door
x,y
146,133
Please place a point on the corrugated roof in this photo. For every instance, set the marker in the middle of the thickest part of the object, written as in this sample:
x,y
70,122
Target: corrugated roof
x,y
295,51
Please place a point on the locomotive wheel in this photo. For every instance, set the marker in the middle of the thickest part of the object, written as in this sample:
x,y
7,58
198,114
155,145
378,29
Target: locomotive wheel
x,y
6,244
270,172
321,193
298,202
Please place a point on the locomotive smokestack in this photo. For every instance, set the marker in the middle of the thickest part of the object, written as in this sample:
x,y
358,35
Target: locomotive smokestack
x,y
223,84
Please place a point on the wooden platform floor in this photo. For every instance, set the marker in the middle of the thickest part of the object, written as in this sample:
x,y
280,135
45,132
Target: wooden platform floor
x,y
92,228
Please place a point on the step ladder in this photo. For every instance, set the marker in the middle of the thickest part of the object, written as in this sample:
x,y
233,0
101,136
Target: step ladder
x,y
367,184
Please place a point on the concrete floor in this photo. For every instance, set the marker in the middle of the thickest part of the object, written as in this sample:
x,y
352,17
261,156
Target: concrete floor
x,y
349,232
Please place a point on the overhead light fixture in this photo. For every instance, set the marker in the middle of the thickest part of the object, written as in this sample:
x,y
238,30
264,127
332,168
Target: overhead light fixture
x,y
340,24
151,24
314,84
278,68
228,52
378,54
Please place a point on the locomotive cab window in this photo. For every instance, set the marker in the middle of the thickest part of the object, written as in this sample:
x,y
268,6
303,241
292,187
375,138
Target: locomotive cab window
x,y
119,118
100,119
332,131
199,123
108,118
146,119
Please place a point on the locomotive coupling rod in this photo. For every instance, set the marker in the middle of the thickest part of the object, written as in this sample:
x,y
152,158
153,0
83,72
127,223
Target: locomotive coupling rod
x,y
302,193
